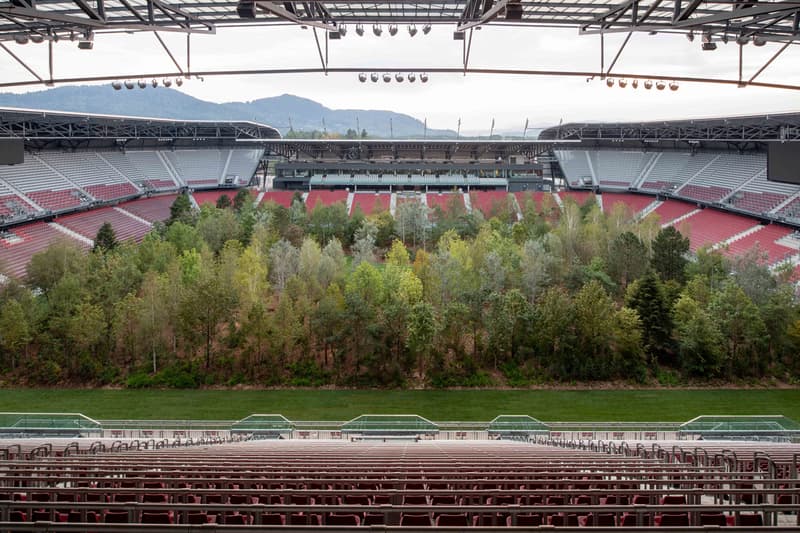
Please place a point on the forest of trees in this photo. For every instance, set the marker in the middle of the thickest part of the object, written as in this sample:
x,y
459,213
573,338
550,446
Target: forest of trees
x,y
270,296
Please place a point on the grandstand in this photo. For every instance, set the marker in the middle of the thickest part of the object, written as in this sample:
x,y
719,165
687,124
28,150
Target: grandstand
x,y
265,473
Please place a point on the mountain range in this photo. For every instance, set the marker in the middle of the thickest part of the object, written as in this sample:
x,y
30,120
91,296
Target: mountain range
x,y
283,112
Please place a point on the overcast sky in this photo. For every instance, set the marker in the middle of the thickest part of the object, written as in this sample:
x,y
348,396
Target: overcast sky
x,y
476,99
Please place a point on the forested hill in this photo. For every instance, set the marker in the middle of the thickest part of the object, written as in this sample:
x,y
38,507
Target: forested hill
x,y
279,111
275,296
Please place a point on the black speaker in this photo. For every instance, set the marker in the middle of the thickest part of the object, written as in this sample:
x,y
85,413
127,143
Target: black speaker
x,y
514,11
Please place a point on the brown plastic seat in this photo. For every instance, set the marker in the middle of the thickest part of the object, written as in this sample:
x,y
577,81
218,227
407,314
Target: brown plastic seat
x,y
750,520
713,519
673,520
156,517
196,518
116,517
415,520
273,519
529,520
336,519
452,520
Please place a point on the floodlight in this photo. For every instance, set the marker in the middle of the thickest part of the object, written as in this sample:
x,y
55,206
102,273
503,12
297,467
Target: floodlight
x,y
142,84
362,77
622,83
387,78
412,30
359,30
21,38
660,85
116,85
246,9
673,86
690,36
374,77
128,84
178,82
635,84
412,77
648,84
610,82
759,41
423,77
154,83
342,30
392,29
426,29
709,46
399,77
37,38
377,30
166,82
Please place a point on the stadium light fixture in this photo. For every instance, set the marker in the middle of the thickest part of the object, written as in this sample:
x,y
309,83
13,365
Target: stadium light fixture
x,y
116,85
635,84
423,77
660,85
412,77
392,29
374,77
610,82
412,30
178,82
362,77
377,30
399,77
360,30
129,84
622,83
709,47
166,82
37,38
21,38
690,36
85,45
142,84
673,86
426,29
648,84
387,77
154,83
759,41
342,30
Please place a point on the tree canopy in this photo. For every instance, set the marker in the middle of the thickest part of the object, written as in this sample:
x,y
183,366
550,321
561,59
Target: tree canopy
x,y
299,296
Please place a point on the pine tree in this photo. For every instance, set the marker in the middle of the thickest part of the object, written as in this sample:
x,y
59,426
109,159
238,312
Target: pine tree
x,y
646,297
106,239
669,251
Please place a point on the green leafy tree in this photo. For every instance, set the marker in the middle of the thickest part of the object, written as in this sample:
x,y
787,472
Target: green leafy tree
x,y
15,333
742,329
422,329
700,343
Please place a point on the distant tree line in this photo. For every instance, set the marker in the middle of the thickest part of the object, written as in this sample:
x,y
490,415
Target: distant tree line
x,y
279,296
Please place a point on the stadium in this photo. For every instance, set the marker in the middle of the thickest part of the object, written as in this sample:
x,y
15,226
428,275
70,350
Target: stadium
x,y
150,253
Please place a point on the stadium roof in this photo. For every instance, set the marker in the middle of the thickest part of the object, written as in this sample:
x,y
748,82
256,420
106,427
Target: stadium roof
x,y
357,149
44,125
78,19
756,128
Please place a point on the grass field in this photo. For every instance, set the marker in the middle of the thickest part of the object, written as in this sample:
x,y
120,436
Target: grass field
x,y
481,405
